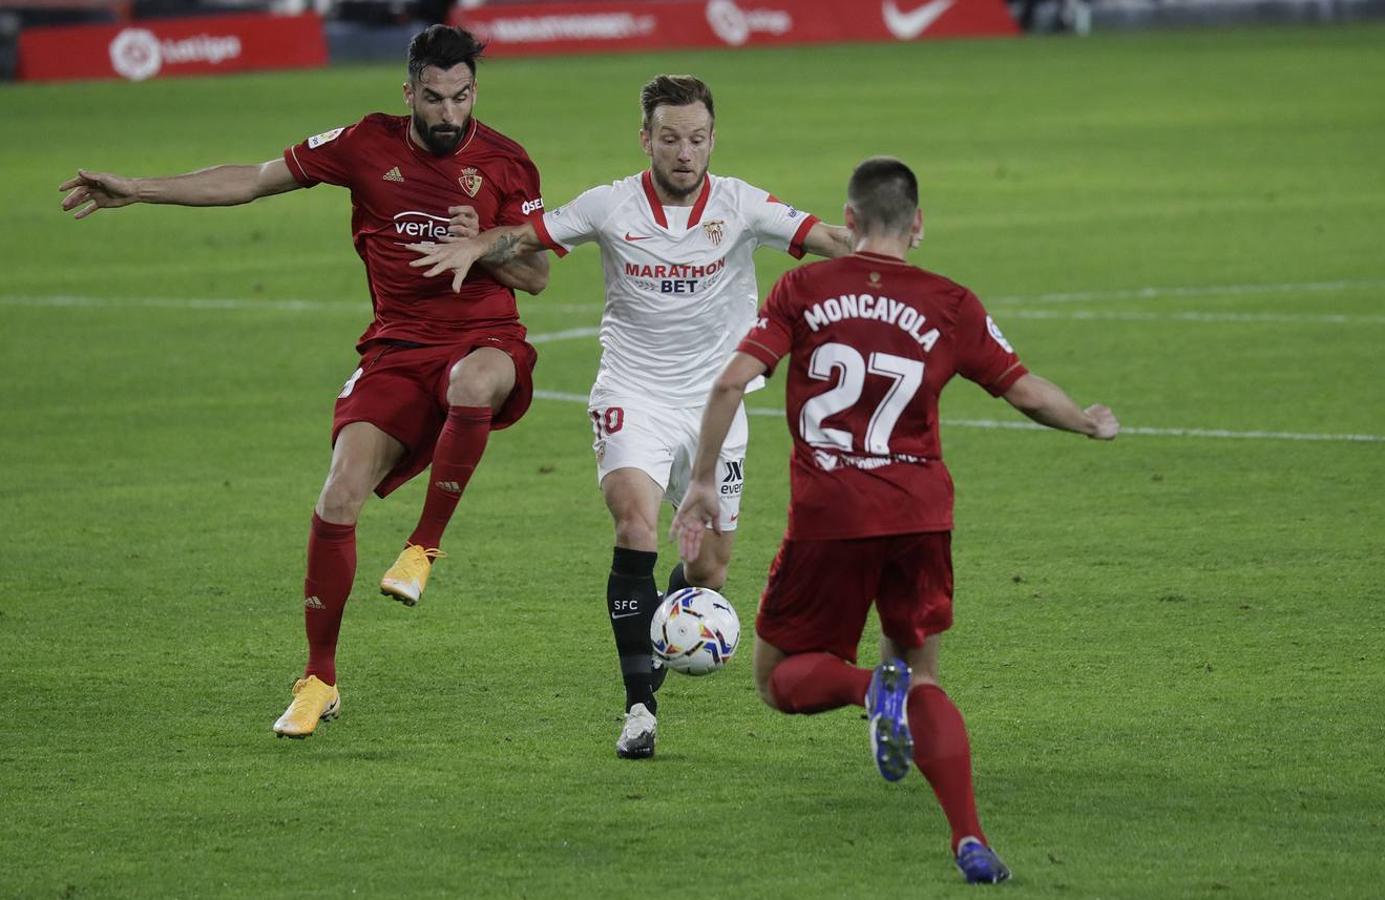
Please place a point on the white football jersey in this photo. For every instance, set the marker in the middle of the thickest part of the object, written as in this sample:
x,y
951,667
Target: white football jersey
x,y
680,281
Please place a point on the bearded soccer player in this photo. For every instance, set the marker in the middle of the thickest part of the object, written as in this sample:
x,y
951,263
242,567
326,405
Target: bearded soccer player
x,y
438,372
871,341
676,248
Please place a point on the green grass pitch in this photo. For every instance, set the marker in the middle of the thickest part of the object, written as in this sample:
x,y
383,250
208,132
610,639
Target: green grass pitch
x,y
1169,649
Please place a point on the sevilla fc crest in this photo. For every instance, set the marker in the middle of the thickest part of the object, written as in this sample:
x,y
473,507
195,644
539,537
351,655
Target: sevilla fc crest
x,y
470,180
715,231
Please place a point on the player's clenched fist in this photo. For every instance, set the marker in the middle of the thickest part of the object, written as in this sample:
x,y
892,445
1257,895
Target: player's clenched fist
x,y
90,191
1106,425
464,222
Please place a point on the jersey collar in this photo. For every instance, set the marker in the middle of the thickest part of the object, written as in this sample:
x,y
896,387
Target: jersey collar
x,y
880,257
657,207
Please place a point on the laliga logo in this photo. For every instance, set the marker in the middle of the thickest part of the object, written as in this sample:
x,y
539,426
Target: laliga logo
x,y
137,53
999,338
735,25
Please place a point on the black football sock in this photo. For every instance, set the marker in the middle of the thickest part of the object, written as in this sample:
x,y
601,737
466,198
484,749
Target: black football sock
x,y
631,598
676,580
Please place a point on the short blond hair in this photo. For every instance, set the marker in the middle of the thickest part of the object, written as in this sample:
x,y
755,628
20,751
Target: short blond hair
x,y
674,90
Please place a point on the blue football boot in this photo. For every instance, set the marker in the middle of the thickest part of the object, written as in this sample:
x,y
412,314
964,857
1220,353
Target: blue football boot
x,y
979,863
890,741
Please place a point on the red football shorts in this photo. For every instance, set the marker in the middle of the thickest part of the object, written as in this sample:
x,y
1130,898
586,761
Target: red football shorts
x,y
403,392
820,592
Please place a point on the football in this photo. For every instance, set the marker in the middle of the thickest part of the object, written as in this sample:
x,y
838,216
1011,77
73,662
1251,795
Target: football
x,y
695,631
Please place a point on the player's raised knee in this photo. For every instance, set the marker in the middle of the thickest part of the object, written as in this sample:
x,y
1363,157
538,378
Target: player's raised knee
x,y
484,378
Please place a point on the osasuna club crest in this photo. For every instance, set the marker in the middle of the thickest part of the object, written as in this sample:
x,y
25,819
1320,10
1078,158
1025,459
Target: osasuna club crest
x,y
715,231
470,180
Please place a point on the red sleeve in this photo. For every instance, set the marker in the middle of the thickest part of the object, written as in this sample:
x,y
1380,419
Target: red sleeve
x,y
523,201
796,249
328,158
771,337
983,354
541,229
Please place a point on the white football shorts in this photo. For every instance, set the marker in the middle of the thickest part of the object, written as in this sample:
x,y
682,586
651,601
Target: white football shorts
x,y
661,442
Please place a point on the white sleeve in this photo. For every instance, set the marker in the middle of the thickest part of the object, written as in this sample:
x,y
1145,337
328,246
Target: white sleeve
x,y
577,222
775,223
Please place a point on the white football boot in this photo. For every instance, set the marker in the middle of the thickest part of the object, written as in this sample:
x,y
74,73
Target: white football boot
x,y
636,739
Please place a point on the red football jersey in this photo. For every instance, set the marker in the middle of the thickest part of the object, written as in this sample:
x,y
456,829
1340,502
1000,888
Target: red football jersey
x,y
399,195
872,341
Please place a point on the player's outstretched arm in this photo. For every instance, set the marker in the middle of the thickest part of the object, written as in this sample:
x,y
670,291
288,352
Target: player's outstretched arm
x,y
218,186
830,241
492,248
1047,403
528,273
699,507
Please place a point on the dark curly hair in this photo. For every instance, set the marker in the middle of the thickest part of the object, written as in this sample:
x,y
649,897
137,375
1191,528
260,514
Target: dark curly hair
x,y
443,46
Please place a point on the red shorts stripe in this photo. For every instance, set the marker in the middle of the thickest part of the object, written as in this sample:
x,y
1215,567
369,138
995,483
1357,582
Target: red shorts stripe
x,y
820,592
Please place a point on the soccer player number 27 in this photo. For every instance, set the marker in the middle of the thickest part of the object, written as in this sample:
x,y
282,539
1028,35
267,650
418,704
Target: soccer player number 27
x,y
907,375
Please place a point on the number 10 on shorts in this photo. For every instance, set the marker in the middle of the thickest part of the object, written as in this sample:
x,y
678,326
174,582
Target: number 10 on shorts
x,y
607,421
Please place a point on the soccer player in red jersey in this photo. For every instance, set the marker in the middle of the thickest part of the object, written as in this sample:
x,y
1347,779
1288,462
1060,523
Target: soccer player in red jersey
x,y
871,342
438,372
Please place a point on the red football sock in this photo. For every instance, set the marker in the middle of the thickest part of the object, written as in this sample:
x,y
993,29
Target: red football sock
x,y
810,683
943,754
458,450
331,569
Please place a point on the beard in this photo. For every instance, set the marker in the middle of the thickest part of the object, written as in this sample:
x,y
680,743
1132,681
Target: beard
x,y
674,191
439,139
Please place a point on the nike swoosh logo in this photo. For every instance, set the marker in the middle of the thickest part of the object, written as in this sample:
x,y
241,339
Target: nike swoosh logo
x,y
907,26
644,237
623,615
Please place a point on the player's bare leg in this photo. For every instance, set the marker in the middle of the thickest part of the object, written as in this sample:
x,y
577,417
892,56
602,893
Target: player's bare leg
x,y
633,499
361,457
942,753
766,658
477,387
713,559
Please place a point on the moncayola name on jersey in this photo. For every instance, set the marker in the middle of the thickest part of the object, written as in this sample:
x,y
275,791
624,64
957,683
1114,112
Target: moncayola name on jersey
x,y
868,306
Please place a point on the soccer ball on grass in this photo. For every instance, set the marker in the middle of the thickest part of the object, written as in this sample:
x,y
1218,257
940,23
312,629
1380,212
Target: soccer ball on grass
x,y
695,631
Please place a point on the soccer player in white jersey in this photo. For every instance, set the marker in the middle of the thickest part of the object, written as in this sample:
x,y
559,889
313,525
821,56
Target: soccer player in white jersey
x,y
676,248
